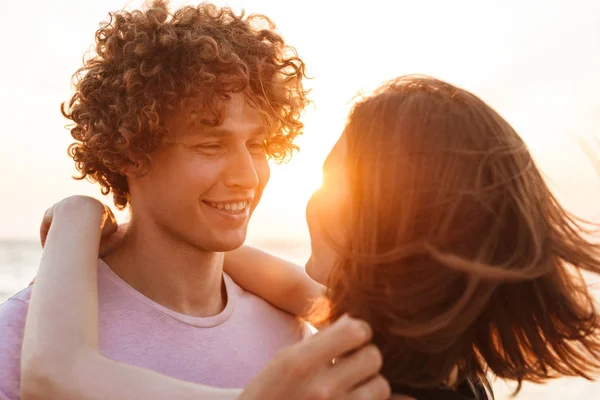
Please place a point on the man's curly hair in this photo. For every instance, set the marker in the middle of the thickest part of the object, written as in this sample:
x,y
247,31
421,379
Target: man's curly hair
x,y
148,62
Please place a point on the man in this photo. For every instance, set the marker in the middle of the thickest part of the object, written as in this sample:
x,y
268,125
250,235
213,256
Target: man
x,y
176,116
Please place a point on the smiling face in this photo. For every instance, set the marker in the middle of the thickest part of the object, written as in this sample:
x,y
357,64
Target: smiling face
x,y
203,185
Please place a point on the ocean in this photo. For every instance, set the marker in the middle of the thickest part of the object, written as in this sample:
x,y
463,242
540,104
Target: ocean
x,y
18,264
19,260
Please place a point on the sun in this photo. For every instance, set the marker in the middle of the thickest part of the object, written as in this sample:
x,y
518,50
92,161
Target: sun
x,y
281,212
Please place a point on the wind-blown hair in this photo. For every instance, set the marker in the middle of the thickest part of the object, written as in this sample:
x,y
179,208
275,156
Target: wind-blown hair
x,y
149,62
456,251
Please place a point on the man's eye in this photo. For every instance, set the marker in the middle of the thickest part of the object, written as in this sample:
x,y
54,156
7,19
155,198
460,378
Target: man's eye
x,y
210,148
257,148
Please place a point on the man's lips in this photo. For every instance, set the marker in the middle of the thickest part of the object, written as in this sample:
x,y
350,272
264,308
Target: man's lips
x,y
233,206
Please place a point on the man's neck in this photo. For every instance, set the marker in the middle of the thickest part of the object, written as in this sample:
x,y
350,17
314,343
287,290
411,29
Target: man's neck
x,y
169,271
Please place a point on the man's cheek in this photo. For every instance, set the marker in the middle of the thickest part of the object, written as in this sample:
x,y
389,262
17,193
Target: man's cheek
x,y
264,174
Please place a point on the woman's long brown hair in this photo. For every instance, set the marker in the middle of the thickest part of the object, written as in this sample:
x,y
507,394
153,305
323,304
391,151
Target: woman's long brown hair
x,y
457,252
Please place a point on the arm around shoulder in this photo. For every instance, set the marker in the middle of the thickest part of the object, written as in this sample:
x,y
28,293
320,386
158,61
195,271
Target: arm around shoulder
x,y
280,282
91,376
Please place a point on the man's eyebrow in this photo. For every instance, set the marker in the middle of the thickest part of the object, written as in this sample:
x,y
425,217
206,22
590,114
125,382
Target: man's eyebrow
x,y
219,131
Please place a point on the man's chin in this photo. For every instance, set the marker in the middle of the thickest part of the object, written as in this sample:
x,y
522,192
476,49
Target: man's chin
x,y
229,247
227,244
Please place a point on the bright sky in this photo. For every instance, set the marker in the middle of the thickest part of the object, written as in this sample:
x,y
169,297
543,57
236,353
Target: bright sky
x,y
536,62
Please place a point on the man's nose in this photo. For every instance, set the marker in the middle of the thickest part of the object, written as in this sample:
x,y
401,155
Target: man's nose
x,y
241,171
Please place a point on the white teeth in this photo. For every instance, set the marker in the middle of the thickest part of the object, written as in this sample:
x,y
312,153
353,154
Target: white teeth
x,y
233,207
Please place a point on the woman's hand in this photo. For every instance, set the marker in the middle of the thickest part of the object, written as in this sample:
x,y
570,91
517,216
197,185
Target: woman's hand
x,y
112,234
77,204
306,370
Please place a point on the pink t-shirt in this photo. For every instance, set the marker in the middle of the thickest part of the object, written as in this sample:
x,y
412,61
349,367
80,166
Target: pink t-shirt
x,y
225,350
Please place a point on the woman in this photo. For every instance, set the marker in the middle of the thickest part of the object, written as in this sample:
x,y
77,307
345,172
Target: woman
x,y
434,225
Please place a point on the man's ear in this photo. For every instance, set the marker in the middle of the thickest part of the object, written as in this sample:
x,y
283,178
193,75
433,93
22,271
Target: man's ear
x,y
134,168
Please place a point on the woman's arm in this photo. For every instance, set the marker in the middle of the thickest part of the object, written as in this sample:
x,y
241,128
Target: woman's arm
x,y
280,282
61,358
60,355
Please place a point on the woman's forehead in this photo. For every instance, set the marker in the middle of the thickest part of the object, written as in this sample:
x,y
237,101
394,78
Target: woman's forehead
x,y
337,153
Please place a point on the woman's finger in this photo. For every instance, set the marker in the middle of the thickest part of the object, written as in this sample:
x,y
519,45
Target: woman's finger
x,y
110,225
110,242
376,388
45,225
343,336
358,367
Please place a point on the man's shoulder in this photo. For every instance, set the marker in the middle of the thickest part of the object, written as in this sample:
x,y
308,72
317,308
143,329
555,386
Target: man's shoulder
x,y
15,306
13,313
19,298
